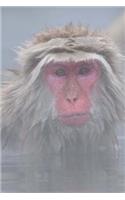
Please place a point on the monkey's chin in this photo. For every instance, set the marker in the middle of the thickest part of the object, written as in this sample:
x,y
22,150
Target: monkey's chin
x,y
75,119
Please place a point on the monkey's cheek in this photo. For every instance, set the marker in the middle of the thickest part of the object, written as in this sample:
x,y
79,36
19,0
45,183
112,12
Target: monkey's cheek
x,y
75,120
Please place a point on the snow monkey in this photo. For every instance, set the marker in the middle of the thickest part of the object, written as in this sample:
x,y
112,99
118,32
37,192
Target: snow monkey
x,y
69,84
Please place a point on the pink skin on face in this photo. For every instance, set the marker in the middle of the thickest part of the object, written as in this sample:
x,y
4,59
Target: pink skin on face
x,y
71,83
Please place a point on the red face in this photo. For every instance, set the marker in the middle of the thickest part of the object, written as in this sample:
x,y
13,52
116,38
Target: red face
x,y
71,84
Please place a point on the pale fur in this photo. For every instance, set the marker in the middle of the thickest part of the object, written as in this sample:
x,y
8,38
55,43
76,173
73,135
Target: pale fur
x,y
28,105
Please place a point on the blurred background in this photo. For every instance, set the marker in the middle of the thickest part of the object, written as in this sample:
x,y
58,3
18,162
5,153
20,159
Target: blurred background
x,y
21,23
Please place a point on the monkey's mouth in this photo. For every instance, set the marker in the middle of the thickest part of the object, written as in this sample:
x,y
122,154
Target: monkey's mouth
x,y
74,119
74,115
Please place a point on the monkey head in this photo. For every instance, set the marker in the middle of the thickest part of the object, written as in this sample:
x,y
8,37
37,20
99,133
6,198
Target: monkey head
x,y
70,73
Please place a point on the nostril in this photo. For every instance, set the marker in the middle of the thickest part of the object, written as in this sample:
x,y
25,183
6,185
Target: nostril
x,y
72,100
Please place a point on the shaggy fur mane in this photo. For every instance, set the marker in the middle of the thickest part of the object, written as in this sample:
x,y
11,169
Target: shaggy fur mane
x,y
28,106
68,31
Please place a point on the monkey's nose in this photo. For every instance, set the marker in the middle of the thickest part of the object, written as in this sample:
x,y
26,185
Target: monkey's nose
x,y
72,99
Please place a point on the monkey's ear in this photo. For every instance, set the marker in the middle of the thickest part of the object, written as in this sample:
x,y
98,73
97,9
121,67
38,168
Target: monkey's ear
x,y
117,32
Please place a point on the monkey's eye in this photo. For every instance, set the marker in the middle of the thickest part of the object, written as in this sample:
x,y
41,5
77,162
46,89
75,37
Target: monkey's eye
x,y
84,70
60,72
